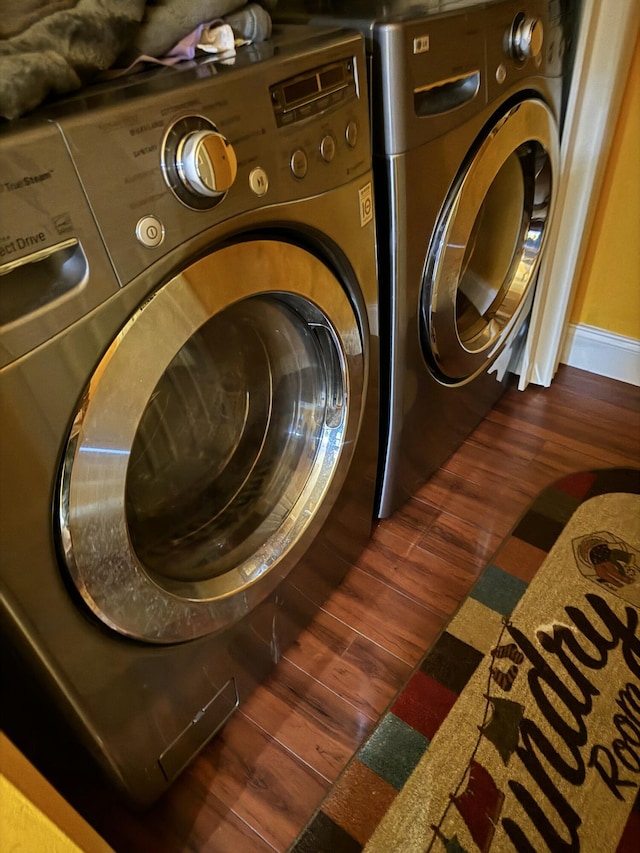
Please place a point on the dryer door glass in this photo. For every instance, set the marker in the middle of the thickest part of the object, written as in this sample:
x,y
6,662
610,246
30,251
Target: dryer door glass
x,y
481,266
212,441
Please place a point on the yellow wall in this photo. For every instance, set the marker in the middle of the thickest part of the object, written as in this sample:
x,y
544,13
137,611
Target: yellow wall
x,y
608,289
33,816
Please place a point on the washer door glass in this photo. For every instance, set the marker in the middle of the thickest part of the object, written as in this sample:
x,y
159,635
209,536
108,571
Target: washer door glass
x,y
486,246
212,441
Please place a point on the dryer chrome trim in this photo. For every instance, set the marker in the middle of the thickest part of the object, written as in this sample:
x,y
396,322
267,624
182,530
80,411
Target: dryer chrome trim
x,y
467,313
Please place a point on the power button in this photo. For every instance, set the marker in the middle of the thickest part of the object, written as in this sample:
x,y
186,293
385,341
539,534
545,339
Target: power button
x,y
150,231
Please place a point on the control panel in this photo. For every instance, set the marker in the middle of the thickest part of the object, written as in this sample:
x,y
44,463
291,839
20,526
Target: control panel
x,y
106,183
183,152
309,94
522,41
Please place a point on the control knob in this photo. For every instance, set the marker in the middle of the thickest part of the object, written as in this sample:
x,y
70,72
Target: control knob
x,y
526,38
206,163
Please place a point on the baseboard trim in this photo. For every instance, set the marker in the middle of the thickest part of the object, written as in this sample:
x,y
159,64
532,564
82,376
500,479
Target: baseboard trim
x,y
602,352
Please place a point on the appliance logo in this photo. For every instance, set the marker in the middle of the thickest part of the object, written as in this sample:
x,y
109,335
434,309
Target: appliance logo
x,y
25,181
9,246
421,44
365,194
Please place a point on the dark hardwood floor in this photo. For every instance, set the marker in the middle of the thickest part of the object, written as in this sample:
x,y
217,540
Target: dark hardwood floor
x,y
258,782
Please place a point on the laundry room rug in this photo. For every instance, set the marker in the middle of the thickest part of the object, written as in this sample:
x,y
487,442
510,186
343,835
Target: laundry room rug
x,y
521,726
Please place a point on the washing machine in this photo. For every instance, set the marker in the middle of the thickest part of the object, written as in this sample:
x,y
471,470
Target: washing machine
x,y
465,103
189,388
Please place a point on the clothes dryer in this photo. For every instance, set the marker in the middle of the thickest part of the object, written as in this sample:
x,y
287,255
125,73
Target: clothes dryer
x,y
189,386
465,103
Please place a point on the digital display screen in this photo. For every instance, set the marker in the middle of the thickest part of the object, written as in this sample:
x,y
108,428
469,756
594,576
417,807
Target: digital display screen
x,y
331,77
301,89
308,94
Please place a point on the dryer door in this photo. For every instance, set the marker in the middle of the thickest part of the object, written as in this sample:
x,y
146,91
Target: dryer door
x,y
486,246
212,441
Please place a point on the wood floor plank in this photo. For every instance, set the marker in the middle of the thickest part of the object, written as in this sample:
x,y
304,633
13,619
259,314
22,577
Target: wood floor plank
x,y
608,425
353,666
385,674
441,583
492,447
462,498
410,521
483,458
467,544
556,460
596,388
191,817
384,615
387,535
311,721
439,569
259,781
603,447
383,561
605,426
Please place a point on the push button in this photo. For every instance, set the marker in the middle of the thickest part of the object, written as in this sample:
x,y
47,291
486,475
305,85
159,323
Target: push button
x,y
299,163
328,148
351,134
150,231
258,181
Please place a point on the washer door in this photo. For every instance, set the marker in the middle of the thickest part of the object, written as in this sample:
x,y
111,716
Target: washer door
x,y
212,441
487,243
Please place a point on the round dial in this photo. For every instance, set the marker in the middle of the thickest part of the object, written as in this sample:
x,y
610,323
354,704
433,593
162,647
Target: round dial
x,y
198,162
526,38
206,163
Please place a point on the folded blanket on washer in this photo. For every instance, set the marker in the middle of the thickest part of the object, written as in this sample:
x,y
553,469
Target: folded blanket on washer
x,y
53,47
167,21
